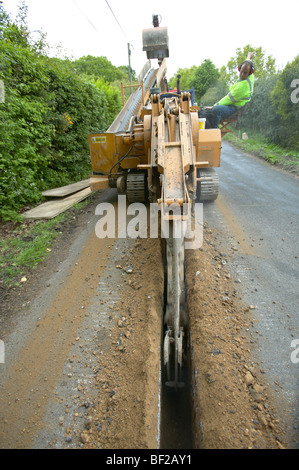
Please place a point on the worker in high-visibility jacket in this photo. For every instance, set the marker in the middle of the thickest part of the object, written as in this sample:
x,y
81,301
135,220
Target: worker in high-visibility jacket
x,y
239,95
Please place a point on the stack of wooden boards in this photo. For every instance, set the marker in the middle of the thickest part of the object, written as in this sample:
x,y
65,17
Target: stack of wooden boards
x,y
63,198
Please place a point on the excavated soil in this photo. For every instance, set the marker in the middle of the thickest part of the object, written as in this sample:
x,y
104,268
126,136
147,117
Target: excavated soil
x,y
83,340
232,406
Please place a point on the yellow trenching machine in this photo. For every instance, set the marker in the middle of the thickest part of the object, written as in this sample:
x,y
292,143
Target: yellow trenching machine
x,y
155,152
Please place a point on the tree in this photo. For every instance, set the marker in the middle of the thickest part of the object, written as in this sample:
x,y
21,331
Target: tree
x,y
285,99
283,96
4,20
203,77
185,80
214,94
124,69
263,66
16,31
274,109
45,118
112,95
259,115
101,67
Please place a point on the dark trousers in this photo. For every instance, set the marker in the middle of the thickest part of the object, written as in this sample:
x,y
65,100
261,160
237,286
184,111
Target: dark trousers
x,y
213,116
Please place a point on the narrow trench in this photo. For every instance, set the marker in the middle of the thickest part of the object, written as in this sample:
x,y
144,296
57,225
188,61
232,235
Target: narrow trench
x,y
176,415
176,404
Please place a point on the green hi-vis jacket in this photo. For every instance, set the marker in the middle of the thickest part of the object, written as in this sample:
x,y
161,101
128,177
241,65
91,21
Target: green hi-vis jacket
x,y
240,93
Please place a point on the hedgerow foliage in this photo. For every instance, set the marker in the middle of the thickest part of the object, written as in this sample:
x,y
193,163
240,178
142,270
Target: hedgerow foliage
x,y
48,111
273,111
274,108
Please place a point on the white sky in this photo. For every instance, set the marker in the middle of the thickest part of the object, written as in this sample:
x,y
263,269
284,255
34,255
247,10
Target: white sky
x,y
198,30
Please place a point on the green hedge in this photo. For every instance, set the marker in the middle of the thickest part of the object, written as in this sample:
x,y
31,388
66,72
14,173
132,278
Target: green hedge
x,y
44,122
272,112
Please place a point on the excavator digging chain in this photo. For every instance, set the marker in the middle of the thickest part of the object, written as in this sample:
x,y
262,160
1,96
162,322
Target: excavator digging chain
x,y
175,316
155,151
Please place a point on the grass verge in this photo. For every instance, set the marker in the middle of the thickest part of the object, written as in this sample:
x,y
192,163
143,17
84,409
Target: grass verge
x,y
27,244
257,145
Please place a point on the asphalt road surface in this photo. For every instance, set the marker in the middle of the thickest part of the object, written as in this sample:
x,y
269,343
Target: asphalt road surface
x,y
73,309
258,209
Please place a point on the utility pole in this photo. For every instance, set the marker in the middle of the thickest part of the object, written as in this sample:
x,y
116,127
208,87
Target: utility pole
x,y
130,70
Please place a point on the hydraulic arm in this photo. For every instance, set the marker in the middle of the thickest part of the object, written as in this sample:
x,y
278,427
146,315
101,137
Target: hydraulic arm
x,y
155,152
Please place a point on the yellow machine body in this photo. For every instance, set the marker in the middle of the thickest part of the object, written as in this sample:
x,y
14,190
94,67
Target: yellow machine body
x,y
209,147
156,151
108,149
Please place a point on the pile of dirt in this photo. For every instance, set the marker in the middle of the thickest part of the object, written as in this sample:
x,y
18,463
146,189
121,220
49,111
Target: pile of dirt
x,y
125,416
232,407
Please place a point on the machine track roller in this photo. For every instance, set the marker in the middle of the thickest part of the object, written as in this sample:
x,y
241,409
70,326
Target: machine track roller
x,y
136,187
207,187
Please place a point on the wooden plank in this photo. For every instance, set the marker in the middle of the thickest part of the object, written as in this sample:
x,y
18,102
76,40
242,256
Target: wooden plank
x,y
50,209
66,190
99,182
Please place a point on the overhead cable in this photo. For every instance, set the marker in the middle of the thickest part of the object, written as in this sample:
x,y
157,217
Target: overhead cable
x,y
116,19
89,21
